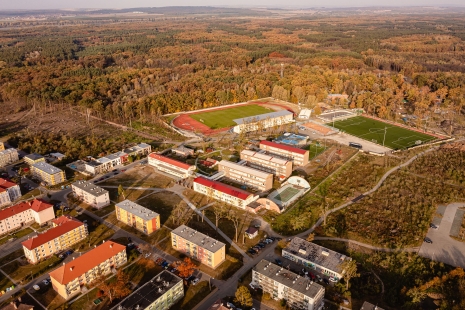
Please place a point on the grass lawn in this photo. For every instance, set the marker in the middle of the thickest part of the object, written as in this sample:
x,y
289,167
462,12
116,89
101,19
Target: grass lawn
x,y
162,203
193,295
143,271
5,283
17,234
140,176
97,233
131,194
373,130
199,200
315,150
12,256
20,270
34,192
48,297
224,118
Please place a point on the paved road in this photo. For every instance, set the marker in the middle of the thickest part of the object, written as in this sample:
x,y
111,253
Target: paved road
x,y
15,245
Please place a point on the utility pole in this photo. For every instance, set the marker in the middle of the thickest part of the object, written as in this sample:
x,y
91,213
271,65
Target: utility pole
x,y
385,129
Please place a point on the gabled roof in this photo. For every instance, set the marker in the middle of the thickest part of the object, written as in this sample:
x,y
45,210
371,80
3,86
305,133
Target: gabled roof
x,y
6,184
224,188
77,267
170,161
65,225
36,205
283,147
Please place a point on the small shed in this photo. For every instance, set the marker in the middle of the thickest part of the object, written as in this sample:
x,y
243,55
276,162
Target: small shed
x,y
251,232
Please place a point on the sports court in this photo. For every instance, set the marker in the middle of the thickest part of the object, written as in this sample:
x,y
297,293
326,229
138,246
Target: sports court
x,y
289,192
286,194
292,139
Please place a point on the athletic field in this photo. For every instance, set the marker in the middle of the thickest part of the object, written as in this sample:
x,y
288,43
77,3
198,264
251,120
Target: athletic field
x,y
373,130
224,118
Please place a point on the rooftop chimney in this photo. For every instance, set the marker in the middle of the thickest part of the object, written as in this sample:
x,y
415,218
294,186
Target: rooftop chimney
x,y
71,268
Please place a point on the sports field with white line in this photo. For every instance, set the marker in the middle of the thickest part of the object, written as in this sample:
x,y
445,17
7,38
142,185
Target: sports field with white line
x,y
374,131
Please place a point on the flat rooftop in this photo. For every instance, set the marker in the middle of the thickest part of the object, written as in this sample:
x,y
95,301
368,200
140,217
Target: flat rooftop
x,y
198,238
289,279
244,169
33,156
264,156
137,209
47,168
90,188
261,117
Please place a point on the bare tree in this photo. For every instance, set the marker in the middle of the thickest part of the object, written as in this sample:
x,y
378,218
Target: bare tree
x,y
220,212
235,219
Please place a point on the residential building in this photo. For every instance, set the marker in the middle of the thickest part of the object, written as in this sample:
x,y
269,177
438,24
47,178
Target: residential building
x,y
135,215
183,151
263,121
171,166
33,158
26,212
91,194
242,174
298,156
141,149
368,306
8,156
9,192
299,292
2,146
17,305
68,279
219,305
222,192
57,156
160,293
66,232
282,168
316,257
198,246
47,173
94,167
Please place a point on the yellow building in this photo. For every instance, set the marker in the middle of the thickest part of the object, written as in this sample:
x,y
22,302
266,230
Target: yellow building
x,y
135,215
2,146
33,158
48,173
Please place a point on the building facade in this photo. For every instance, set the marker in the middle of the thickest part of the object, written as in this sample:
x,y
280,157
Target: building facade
x,y
66,232
33,158
263,121
298,156
137,216
280,283
315,257
91,194
68,279
19,215
8,156
198,246
47,173
282,168
254,178
2,146
170,166
9,192
222,192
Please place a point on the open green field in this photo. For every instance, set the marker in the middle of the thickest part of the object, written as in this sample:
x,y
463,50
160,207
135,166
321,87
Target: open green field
x,y
373,131
315,149
224,118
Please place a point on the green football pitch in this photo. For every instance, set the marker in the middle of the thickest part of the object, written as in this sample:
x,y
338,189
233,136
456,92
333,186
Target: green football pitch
x,y
224,118
373,130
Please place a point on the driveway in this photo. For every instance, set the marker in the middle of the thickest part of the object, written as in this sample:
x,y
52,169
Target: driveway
x,y
444,248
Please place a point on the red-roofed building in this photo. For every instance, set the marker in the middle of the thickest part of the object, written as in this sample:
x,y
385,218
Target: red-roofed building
x,y
17,216
170,166
66,231
69,278
298,156
9,192
222,192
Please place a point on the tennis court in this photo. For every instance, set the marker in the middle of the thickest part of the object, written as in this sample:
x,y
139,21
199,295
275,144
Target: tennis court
x,y
286,194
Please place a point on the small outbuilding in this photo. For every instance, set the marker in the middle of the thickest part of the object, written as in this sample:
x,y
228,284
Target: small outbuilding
x,y
251,232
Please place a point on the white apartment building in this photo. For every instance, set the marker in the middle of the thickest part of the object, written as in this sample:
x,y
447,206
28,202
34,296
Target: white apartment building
x,y
8,156
91,194
170,166
282,168
254,178
263,121
9,192
19,215
223,192
299,292
298,156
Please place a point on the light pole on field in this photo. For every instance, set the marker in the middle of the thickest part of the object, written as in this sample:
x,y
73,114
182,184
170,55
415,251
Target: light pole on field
x,y
385,129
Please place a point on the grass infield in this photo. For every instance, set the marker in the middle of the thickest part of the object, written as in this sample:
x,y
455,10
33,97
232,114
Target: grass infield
x,y
287,194
373,131
224,118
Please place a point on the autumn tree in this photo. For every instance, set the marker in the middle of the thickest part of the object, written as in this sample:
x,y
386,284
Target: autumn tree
x,y
185,268
311,237
349,271
243,296
121,191
114,289
220,212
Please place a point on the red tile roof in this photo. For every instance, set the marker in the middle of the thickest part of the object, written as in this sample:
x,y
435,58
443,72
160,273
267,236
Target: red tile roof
x,y
36,205
283,147
67,224
170,161
224,188
5,184
86,262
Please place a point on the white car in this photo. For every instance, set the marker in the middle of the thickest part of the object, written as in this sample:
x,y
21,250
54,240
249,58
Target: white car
x,y
195,281
36,287
147,255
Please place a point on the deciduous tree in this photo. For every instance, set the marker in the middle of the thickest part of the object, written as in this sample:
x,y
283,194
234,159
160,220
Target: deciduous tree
x,y
185,268
243,296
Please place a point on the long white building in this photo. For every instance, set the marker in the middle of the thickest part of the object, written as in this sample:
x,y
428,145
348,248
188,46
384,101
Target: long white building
x,y
298,156
263,121
171,166
254,178
91,194
282,168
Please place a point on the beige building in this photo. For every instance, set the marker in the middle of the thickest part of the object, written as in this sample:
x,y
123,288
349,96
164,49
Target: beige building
x,y
298,156
2,146
19,215
263,121
66,232
8,156
34,158
198,246
137,216
9,192
282,168
47,173
170,166
91,194
68,279
254,178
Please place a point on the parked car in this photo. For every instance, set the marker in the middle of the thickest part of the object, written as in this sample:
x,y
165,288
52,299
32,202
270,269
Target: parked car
x,y
428,240
69,252
319,278
189,279
195,281
159,261
36,287
165,264
45,282
433,226
333,279
278,261
252,251
147,255
304,271
326,281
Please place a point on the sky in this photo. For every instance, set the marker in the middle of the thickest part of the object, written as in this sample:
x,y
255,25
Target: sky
x,y
63,4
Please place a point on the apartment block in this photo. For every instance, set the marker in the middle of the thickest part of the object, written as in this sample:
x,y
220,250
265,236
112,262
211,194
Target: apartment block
x,y
8,156
141,149
47,173
160,293
66,231
254,178
282,168
70,278
137,216
223,192
21,214
315,257
34,158
170,166
91,194
198,246
280,283
9,192
298,156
